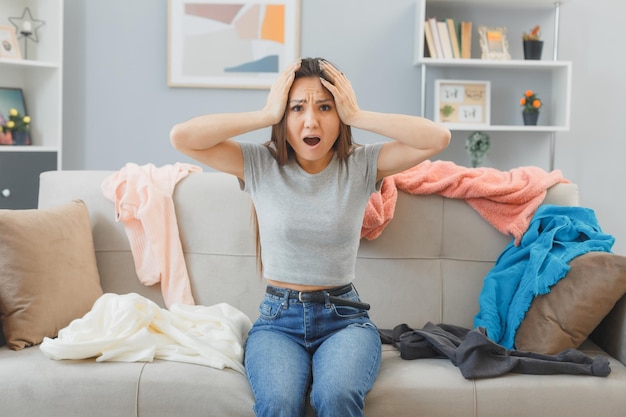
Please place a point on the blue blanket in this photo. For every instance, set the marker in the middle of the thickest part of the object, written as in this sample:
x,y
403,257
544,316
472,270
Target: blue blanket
x,y
555,236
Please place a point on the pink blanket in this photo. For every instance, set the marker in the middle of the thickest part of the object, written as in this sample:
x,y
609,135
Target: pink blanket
x,y
506,199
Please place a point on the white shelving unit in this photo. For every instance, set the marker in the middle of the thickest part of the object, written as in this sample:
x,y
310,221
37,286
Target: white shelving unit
x,y
40,76
550,78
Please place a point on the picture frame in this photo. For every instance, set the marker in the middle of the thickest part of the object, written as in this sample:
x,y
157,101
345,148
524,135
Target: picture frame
x,y
9,47
463,103
12,98
231,44
493,43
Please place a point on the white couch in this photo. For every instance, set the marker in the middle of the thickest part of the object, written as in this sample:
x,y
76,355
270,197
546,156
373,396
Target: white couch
x,y
428,265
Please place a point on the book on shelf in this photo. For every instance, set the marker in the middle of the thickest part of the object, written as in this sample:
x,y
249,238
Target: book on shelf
x,y
436,39
454,37
444,36
466,40
430,42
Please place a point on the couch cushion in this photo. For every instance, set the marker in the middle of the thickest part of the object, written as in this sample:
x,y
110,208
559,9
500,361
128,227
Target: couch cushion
x,y
33,385
564,317
48,272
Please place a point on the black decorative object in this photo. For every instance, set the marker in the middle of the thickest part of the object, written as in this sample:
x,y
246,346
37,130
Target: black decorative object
x,y
532,49
530,119
26,27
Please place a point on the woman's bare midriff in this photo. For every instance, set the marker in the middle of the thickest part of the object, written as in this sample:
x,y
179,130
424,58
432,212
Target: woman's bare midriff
x,y
296,287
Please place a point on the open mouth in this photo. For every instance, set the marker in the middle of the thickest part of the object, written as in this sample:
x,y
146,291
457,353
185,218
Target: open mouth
x,y
312,140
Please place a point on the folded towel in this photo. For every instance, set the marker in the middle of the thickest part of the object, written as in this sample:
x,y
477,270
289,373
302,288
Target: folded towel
x,y
131,328
505,199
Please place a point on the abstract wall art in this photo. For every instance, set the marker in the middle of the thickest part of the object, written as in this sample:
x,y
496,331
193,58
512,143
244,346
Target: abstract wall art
x,y
231,44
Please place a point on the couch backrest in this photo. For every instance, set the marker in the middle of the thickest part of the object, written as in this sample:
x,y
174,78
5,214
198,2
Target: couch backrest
x,y
427,265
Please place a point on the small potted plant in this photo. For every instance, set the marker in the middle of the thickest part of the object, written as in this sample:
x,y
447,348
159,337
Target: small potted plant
x,y
533,45
15,130
477,146
530,107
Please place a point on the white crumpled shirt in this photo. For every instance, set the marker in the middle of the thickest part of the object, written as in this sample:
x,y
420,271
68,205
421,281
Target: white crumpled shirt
x,y
132,328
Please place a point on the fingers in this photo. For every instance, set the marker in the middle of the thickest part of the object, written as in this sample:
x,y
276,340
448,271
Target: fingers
x,y
279,92
331,70
336,81
333,73
341,89
285,79
294,66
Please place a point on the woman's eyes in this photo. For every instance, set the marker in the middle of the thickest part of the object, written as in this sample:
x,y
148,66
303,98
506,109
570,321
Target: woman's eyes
x,y
323,107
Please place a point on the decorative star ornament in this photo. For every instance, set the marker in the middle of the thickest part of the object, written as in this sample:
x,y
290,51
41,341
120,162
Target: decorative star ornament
x,y
34,24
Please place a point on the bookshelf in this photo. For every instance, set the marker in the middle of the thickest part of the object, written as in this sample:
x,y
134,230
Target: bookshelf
x,y
40,78
549,77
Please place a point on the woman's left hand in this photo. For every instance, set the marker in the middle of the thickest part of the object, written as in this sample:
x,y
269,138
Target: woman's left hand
x,y
342,91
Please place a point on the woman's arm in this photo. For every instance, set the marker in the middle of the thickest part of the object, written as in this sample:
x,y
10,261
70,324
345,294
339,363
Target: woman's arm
x,y
207,138
415,138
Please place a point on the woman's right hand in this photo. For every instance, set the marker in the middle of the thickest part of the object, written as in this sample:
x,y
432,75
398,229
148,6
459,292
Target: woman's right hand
x,y
279,92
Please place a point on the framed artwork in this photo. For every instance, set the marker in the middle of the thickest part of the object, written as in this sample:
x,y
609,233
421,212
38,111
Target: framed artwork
x,y
230,43
12,98
493,43
462,104
8,43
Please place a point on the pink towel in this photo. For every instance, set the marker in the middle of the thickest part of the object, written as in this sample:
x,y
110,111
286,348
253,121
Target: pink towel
x,y
507,200
143,201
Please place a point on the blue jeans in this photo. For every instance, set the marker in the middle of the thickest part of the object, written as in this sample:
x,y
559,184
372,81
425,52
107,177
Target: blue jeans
x,y
294,348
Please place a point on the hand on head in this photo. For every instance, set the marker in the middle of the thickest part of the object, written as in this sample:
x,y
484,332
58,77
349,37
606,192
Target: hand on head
x,y
341,89
279,92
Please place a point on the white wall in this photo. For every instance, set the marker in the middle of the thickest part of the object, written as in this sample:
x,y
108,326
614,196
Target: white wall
x,y
592,153
119,109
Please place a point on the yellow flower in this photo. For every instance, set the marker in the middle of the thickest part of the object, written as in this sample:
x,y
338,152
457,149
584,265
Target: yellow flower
x,y
16,122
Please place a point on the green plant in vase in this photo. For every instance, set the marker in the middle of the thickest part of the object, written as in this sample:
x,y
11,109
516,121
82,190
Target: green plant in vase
x,y
533,45
530,107
477,145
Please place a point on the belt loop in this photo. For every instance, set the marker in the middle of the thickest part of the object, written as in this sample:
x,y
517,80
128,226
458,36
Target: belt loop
x,y
326,299
286,300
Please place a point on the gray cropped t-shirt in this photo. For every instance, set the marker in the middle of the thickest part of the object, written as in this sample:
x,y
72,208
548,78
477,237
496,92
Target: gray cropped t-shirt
x,y
310,224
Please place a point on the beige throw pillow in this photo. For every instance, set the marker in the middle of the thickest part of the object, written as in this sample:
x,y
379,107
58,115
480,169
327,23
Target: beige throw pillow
x,y
48,273
567,315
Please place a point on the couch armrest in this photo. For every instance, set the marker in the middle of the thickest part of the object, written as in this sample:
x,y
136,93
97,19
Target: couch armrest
x,y
610,334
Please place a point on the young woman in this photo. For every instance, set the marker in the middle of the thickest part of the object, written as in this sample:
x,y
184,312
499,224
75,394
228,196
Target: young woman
x,y
310,185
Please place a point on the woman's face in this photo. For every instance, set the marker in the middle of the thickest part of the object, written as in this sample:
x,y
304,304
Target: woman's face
x,y
312,123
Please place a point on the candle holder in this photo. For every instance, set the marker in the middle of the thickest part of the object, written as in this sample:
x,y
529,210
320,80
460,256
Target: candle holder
x,y
27,27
